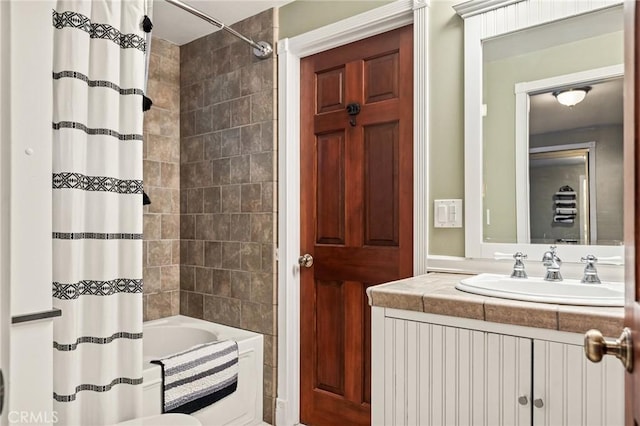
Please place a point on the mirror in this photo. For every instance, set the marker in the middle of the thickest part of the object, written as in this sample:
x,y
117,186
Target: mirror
x,y
546,173
579,147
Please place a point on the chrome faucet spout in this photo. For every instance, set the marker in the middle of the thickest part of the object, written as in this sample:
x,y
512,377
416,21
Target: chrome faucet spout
x,y
551,260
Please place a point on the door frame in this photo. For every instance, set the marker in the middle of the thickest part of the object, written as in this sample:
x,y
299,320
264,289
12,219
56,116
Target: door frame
x,y
5,194
290,51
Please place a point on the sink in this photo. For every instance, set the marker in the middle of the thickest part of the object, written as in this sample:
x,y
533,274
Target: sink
x,y
567,292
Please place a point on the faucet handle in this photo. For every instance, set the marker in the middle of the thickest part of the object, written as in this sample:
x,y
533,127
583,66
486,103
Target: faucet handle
x,y
519,256
508,256
590,272
502,256
518,267
612,260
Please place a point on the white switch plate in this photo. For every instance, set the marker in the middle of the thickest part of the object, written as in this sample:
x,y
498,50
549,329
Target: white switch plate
x,y
447,213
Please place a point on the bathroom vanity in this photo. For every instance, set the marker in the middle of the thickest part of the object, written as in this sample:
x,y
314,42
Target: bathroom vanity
x,y
444,357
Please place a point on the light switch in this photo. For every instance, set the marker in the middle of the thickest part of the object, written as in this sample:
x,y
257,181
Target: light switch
x,y
447,213
442,214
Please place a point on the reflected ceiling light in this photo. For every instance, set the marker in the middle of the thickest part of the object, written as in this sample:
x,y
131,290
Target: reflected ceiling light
x,y
571,97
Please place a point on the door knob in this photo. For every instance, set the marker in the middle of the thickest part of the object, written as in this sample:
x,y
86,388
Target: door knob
x,y
306,260
596,346
523,400
538,403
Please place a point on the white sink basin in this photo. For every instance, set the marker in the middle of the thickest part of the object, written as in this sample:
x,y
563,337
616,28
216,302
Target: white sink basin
x,y
567,292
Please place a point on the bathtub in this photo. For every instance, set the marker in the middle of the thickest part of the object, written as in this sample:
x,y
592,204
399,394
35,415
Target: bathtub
x,y
170,335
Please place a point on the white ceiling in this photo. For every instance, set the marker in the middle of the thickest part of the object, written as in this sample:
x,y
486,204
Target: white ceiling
x,y
180,27
553,34
601,106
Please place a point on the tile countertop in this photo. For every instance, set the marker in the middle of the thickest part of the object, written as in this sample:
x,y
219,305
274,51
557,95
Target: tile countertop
x,y
435,293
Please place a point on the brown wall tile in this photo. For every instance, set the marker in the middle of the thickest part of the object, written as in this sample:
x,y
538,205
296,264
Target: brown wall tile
x,y
270,350
251,259
170,227
151,173
195,303
159,253
170,277
187,278
230,195
228,183
152,281
152,226
230,142
221,282
204,278
222,310
263,287
162,183
170,175
158,305
211,199
240,284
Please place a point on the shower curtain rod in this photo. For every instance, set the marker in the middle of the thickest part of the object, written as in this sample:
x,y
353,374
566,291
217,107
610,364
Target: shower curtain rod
x,y
261,49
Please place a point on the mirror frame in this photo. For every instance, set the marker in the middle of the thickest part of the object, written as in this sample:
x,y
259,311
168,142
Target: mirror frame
x,y
485,19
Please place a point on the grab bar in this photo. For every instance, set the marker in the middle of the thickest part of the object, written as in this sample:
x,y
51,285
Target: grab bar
x,y
34,316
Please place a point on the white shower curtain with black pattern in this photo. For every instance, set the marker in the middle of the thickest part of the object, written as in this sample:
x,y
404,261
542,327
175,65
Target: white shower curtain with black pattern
x,y
98,74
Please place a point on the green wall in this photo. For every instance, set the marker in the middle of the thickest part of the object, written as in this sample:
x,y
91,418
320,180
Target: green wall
x,y
446,120
301,16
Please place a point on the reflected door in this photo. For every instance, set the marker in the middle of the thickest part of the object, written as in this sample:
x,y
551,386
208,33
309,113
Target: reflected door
x,y
356,213
560,197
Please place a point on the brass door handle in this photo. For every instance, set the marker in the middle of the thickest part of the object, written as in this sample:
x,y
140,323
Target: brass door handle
x,y
306,260
596,346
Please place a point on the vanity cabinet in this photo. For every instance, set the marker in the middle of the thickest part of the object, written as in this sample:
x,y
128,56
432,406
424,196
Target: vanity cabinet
x,y
438,370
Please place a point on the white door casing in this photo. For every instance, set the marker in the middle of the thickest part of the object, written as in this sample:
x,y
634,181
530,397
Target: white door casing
x,y
5,181
290,51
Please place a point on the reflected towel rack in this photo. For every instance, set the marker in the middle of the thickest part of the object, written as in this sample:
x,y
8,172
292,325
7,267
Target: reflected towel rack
x,y
565,205
261,49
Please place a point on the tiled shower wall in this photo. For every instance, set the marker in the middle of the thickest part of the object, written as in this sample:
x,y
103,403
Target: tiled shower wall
x,y
227,185
162,183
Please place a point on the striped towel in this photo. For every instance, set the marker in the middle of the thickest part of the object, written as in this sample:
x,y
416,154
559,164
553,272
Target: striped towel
x,y
199,376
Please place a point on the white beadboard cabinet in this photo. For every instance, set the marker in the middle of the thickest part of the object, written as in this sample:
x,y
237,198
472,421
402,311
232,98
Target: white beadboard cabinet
x,y
437,370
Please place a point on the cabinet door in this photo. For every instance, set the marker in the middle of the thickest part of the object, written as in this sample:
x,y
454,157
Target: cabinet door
x,y
574,391
436,375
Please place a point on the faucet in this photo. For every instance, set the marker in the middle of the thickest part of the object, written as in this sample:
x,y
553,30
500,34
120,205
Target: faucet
x,y
590,272
552,262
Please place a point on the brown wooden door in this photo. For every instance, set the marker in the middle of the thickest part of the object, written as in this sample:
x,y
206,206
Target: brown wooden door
x,y
631,208
356,213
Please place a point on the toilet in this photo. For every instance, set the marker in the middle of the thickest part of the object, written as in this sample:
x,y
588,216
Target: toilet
x,y
163,420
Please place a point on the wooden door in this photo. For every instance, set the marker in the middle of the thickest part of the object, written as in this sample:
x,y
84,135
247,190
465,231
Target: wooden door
x,y
631,209
356,213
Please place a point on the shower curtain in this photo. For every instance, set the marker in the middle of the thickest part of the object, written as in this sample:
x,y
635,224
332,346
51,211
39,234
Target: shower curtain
x,y
98,77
